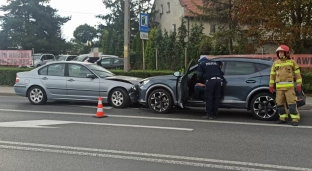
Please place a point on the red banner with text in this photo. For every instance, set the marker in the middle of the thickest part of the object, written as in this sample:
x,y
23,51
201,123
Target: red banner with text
x,y
15,57
303,60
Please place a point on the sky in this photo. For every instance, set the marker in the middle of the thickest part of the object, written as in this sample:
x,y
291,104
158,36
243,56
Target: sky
x,y
81,11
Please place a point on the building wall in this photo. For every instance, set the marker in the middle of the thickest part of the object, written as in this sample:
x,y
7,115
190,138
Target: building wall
x,y
171,16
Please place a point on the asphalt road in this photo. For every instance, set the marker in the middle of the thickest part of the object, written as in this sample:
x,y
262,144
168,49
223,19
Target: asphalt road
x,y
66,136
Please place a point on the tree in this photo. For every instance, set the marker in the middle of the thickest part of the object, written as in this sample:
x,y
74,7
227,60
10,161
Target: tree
x,y
220,14
180,44
278,21
32,24
150,51
85,33
195,40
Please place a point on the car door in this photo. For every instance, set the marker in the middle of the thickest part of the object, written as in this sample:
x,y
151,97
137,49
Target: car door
x,y
241,77
182,89
80,87
54,80
107,63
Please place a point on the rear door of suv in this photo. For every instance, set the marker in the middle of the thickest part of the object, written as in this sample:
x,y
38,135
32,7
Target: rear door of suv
x,y
242,77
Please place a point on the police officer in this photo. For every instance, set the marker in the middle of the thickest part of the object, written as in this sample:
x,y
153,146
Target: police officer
x,y
95,60
282,73
211,73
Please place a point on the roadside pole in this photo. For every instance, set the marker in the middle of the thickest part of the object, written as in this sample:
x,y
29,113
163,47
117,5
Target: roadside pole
x,y
144,32
126,35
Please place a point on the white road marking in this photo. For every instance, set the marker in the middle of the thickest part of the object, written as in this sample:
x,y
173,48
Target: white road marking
x,y
97,151
161,118
93,107
132,158
41,123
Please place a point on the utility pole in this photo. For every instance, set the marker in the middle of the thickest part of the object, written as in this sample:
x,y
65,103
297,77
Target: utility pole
x,y
127,36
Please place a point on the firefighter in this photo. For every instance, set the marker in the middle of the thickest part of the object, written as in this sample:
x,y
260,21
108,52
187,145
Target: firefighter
x,y
282,75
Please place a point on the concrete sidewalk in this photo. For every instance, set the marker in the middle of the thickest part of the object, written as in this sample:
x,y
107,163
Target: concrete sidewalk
x,y
9,91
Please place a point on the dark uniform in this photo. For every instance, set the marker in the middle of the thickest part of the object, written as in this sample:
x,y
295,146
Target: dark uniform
x,y
95,59
211,73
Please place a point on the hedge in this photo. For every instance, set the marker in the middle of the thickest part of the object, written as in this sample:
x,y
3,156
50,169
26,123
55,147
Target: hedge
x,y
7,75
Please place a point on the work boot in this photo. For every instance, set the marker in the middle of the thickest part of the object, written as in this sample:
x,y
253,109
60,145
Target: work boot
x,y
294,123
281,122
207,117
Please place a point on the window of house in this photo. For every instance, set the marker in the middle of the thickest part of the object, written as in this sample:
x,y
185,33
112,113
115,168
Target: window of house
x,y
168,5
161,9
212,28
239,68
173,28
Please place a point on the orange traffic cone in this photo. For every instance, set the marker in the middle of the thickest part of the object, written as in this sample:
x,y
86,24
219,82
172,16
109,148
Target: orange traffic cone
x,y
100,112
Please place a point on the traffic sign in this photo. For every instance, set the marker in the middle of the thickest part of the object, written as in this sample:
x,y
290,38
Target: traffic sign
x,y
144,35
144,23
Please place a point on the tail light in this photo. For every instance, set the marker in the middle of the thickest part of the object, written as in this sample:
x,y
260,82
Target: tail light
x,y
16,79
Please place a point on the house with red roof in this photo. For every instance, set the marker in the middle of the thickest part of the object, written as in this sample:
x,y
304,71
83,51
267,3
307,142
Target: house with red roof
x,y
170,13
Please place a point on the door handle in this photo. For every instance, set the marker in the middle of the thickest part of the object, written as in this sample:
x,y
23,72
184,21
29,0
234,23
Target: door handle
x,y
250,81
44,78
70,80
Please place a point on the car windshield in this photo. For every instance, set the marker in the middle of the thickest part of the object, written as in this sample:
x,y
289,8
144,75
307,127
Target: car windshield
x,y
61,58
36,57
100,71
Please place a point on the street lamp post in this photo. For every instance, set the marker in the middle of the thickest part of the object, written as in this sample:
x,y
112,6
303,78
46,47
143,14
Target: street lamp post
x,y
126,36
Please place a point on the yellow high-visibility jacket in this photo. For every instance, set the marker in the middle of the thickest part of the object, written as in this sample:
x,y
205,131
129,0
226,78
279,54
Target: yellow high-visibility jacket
x,y
282,74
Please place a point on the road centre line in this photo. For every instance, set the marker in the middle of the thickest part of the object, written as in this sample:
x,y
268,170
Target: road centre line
x,y
97,151
161,118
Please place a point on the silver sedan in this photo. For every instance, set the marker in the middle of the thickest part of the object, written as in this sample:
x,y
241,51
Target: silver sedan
x,y
76,81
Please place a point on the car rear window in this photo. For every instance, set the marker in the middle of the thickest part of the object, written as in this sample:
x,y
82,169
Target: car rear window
x,y
261,67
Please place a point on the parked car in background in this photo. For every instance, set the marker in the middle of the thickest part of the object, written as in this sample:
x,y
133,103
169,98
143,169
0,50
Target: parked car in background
x,y
81,58
65,58
247,87
112,63
76,81
42,59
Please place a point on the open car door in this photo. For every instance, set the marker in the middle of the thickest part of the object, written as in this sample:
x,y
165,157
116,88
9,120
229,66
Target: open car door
x,y
182,89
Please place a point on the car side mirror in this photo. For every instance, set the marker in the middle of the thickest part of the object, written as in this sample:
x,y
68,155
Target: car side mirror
x,y
177,74
91,76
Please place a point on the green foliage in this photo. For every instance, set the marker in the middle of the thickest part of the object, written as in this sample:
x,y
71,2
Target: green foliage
x,y
32,24
150,51
85,33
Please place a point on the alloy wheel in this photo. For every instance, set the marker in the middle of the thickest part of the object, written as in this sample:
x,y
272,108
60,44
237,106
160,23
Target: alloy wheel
x,y
36,95
265,107
117,98
159,101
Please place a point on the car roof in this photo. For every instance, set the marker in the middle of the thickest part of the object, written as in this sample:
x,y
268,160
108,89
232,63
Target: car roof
x,y
245,59
69,62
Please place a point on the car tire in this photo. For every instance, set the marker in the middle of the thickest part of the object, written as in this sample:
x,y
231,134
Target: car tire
x,y
263,107
36,95
119,98
154,99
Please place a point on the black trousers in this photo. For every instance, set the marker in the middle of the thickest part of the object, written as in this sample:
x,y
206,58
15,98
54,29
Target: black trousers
x,y
213,96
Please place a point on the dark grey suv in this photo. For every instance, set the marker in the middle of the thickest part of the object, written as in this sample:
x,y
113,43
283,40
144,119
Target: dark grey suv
x,y
246,88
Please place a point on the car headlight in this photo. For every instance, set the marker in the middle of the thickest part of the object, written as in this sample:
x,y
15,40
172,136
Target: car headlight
x,y
133,88
143,82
